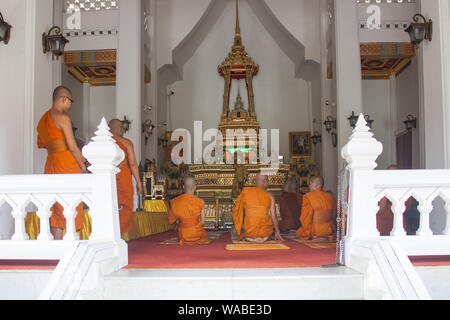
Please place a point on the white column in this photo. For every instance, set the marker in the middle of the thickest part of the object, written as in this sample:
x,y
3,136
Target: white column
x,y
42,74
329,159
434,64
58,8
129,70
361,153
105,155
348,67
392,125
86,111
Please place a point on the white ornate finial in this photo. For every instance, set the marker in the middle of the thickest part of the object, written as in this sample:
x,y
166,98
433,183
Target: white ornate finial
x,y
362,149
102,152
361,124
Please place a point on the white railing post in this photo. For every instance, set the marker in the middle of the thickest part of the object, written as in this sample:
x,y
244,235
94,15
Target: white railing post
x,y
360,153
104,155
447,219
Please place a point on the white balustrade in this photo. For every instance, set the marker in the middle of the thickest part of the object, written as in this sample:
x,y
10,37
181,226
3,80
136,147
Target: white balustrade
x,y
369,186
97,190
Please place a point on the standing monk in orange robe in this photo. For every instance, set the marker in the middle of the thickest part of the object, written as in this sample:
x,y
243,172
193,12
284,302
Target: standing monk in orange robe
x,y
128,168
64,157
290,207
251,217
187,210
318,213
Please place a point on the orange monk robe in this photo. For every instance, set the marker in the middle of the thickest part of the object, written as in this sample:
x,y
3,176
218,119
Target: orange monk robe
x,y
187,209
317,216
290,207
59,161
125,192
251,211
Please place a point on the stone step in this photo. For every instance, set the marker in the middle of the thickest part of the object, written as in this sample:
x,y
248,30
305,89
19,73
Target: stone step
x,y
233,284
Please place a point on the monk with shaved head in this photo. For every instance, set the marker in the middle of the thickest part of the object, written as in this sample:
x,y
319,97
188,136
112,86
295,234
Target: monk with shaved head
x,y
318,213
128,169
188,211
55,134
254,213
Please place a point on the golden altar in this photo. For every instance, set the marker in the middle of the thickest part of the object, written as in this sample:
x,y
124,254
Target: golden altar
x,y
220,184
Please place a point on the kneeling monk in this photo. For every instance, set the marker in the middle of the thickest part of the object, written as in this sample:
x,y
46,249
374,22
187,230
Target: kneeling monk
x,y
187,210
318,213
251,213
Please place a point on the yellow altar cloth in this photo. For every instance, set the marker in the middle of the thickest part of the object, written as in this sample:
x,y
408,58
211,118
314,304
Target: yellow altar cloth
x,y
155,206
152,221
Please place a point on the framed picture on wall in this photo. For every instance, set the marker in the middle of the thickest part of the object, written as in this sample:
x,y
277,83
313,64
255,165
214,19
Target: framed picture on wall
x,y
300,144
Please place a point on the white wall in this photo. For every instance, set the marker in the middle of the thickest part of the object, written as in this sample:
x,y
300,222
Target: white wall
x,y
408,103
393,12
281,101
94,20
76,111
25,82
43,76
376,103
102,104
301,19
176,18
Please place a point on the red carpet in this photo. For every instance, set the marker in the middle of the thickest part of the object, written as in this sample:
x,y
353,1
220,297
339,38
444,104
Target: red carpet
x,y
28,264
149,253
429,261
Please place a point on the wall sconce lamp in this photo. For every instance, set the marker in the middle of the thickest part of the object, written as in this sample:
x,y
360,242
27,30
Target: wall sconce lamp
x,y
368,120
54,43
147,129
353,119
330,123
329,103
410,122
334,139
147,108
126,124
419,31
5,30
316,138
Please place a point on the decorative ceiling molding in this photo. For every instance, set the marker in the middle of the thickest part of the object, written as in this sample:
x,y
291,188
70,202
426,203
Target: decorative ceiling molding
x,y
386,25
380,60
110,31
96,67
385,1
90,5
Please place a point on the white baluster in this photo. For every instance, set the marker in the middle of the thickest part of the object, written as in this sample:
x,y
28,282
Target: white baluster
x,y
398,208
70,213
44,213
18,203
447,219
425,210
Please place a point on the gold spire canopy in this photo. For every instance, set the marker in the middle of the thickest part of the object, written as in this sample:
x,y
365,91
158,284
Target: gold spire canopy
x,y
238,60
237,36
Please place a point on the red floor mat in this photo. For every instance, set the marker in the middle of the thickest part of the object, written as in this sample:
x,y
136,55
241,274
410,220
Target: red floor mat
x,y
149,253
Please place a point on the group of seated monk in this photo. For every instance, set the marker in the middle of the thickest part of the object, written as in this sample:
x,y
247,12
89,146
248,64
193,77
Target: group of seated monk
x,y
254,216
